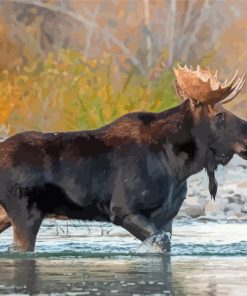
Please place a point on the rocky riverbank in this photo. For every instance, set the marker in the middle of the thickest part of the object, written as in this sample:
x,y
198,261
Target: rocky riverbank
x,y
231,199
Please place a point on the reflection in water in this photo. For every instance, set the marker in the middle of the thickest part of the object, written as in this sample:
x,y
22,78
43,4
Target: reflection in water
x,y
214,276
101,276
25,276
155,275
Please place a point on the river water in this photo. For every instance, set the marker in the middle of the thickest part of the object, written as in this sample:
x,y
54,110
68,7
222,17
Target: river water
x,y
101,259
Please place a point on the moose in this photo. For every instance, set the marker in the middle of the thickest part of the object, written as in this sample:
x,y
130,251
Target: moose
x,y
131,172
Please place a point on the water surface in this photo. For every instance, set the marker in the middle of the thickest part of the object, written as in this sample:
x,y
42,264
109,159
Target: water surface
x,y
94,259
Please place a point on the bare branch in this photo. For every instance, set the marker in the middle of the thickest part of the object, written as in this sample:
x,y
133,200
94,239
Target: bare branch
x,y
203,16
59,9
148,37
170,32
91,31
89,24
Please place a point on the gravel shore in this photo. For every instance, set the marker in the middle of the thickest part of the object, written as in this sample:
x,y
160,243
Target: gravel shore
x,y
231,199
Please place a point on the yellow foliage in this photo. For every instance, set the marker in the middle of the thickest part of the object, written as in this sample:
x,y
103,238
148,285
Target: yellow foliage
x,y
68,92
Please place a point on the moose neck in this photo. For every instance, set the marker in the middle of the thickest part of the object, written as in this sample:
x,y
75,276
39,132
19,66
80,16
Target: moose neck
x,y
174,133
185,141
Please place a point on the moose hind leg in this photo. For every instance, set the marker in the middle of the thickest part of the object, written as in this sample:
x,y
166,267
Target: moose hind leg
x,y
4,220
24,233
4,224
26,223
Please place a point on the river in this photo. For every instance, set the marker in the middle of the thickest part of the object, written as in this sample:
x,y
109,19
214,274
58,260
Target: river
x,y
101,259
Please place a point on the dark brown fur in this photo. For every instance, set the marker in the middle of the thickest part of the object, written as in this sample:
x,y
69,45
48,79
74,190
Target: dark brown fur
x,y
131,172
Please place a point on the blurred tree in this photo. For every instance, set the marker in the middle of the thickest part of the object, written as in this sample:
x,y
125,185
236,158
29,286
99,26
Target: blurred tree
x,y
135,32
68,64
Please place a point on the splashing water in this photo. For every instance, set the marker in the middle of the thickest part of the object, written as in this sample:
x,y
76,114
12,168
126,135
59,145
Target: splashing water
x,y
189,239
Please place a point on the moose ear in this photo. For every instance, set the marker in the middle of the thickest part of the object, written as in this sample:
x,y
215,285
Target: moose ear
x,y
180,92
194,104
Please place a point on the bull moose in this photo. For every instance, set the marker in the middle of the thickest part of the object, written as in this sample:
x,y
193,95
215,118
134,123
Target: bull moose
x,y
131,172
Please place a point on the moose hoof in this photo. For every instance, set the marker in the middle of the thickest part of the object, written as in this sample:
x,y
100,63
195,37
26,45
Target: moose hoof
x,y
15,248
157,243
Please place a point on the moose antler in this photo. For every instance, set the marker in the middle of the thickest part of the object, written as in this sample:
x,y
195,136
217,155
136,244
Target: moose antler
x,y
203,86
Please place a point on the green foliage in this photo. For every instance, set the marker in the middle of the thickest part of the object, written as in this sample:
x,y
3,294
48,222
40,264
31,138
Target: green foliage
x,y
68,92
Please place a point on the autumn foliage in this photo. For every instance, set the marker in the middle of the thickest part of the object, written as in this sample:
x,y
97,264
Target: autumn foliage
x,y
69,65
68,92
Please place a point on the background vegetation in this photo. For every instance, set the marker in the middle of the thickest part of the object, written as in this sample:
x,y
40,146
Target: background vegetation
x,y
66,92
78,64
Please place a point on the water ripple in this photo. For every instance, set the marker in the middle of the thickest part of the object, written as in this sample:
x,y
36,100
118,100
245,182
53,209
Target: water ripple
x,y
188,240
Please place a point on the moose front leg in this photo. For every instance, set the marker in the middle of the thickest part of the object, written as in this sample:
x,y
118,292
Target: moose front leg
x,y
162,236
162,240
145,230
127,201
139,226
167,227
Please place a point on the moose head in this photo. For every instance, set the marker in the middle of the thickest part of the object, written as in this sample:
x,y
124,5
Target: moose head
x,y
222,133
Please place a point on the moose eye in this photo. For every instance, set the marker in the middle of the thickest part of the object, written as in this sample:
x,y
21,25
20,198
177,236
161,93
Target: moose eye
x,y
221,116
